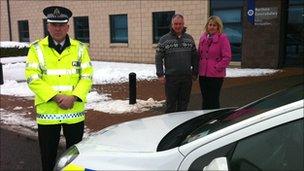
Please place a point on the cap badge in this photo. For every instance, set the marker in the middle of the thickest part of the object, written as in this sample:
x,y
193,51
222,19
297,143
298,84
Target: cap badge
x,y
56,12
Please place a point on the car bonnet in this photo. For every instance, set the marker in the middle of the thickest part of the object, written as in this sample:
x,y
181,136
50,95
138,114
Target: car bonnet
x,y
141,135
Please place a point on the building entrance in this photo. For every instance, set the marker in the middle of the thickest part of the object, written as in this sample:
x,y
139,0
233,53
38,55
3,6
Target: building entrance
x,y
294,42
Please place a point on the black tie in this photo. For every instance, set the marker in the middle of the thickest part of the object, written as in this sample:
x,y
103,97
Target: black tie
x,y
58,48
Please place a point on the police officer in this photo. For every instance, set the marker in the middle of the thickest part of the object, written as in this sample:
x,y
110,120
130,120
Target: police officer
x,y
59,72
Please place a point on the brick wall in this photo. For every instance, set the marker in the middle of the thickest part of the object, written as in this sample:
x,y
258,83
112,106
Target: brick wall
x,y
4,30
140,47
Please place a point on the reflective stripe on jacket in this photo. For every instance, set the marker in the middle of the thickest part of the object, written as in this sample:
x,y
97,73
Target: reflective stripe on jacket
x,y
49,73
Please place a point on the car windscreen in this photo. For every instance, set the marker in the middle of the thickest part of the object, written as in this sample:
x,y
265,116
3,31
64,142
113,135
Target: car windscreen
x,y
266,104
203,125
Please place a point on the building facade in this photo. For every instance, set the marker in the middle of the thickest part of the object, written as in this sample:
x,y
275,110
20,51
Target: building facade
x,y
128,30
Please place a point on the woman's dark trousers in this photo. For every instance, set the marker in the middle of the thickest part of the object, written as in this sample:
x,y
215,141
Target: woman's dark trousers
x,y
210,90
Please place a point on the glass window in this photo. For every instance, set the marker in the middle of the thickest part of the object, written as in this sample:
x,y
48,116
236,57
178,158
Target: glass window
x,y
295,34
161,24
81,29
23,28
296,2
280,148
119,28
217,4
231,15
45,30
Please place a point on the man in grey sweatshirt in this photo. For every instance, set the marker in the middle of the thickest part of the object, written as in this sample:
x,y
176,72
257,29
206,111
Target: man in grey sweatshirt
x,y
176,62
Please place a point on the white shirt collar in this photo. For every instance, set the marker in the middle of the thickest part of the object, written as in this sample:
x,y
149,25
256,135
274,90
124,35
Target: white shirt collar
x,y
61,43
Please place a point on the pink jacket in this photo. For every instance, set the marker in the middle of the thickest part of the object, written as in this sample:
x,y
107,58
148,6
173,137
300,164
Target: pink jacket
x,y
214,55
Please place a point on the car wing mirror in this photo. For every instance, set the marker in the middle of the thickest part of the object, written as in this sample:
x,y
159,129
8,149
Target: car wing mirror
x,y
219,163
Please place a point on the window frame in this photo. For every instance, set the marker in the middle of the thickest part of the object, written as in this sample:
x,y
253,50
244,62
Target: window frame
x,y
82,31
24,33
292,49
155,27
236,55
114,29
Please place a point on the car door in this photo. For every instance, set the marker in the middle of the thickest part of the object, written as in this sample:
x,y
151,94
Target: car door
x,y
278,148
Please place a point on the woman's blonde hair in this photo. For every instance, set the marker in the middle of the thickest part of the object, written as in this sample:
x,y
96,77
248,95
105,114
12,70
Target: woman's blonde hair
x,y
217,20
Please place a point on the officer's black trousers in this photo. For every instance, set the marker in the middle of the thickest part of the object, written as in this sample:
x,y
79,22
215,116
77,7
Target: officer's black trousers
x,y
178,90
49,136
210,90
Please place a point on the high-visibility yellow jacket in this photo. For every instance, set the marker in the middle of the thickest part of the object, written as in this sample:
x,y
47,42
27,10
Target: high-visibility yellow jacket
x,y
49,73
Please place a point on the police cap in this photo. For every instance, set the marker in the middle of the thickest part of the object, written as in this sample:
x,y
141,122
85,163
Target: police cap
x,y
57,14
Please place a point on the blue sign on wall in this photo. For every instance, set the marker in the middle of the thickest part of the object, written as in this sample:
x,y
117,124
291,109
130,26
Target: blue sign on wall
x,y
250,11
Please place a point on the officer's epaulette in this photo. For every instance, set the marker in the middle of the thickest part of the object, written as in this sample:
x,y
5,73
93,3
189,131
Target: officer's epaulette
x,y
81,43
36,41
84,44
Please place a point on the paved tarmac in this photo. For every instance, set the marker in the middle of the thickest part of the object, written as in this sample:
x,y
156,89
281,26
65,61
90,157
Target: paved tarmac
x,y
240,95
20,152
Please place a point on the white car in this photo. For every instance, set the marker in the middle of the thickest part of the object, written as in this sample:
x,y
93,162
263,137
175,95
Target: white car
x,y
264,135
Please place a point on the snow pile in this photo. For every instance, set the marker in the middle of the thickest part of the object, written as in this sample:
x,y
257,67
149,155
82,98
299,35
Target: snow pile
x,y
14,71
20,122
13,88
246,72
103,103
123,106
15,59
11,44
17,119
118,72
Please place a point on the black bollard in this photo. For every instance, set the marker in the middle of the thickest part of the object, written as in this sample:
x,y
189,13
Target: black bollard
x,y
132,88
1,74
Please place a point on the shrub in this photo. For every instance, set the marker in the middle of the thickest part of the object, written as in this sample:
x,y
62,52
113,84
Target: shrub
x,y
15,51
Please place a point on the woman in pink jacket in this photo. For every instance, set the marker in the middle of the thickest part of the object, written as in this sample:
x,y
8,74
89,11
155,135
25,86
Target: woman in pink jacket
x,y
214,57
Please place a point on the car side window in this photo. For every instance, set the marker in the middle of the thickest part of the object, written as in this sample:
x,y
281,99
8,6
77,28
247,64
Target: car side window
x,y
280,148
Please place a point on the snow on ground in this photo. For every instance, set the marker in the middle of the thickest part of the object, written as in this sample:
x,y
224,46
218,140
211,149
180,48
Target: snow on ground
x,y
18,121
246,72
104,73
117,72
10,44
12,59
122,106
114,72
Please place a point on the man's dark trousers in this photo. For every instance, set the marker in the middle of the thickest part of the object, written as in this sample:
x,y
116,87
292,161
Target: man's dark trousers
x,y
49,136
178,90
